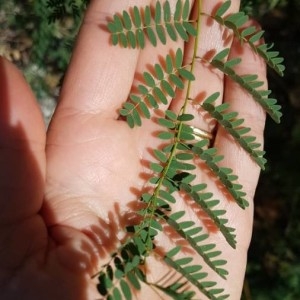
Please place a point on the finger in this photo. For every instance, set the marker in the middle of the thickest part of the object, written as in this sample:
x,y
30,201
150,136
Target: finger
x,y
213,38
22,147
100,75
241,163
242,102
235,157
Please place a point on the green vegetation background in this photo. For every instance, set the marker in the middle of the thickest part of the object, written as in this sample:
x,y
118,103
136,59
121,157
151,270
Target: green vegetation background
x,y
42,51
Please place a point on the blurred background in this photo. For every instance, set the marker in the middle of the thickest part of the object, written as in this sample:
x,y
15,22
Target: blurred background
x,y
38,37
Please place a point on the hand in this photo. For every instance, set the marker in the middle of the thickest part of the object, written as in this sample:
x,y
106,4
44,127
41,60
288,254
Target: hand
x,y
65,194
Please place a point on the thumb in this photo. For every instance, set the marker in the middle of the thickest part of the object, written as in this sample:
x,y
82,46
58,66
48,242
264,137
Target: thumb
x,y
22,148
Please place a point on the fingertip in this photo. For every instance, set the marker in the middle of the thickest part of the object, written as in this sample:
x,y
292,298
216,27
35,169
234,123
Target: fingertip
x,y
18,104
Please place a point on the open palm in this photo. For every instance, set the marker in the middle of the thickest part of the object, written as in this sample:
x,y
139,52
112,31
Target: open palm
x,y
65,195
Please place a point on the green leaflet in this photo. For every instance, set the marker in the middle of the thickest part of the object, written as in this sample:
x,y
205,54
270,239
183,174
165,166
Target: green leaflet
x,y
223,9
126,289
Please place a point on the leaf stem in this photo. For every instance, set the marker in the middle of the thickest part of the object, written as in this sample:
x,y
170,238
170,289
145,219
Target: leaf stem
x,y
196,44
152,204
182,111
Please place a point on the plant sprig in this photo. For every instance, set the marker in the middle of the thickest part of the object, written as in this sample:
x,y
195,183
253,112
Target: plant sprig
x,y
172,172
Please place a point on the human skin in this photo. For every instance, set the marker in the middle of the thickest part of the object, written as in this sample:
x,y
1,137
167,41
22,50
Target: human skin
x,y
66,192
